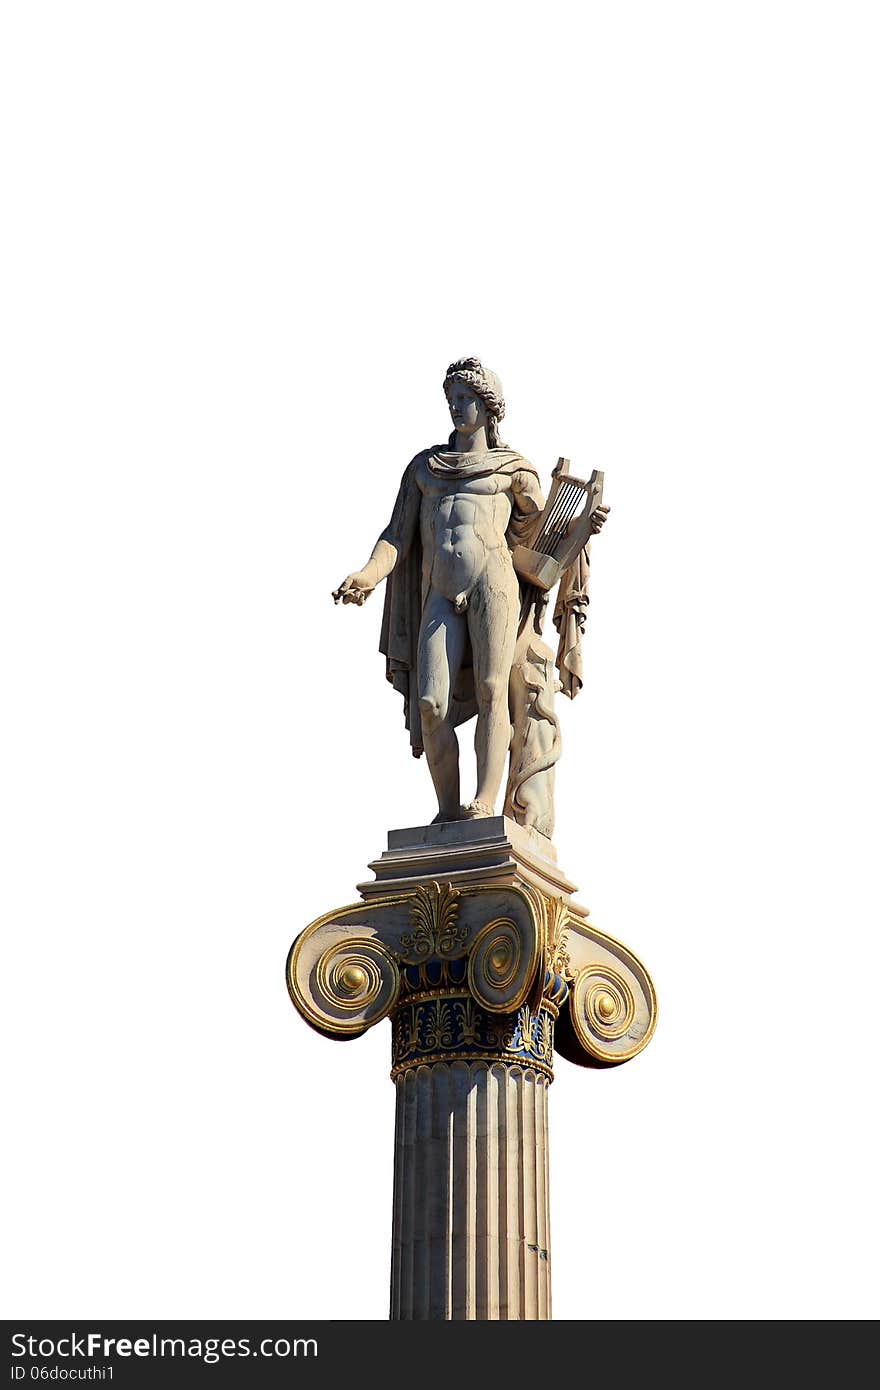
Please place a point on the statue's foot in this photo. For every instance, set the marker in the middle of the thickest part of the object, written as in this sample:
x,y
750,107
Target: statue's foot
x,y
443,816
477,810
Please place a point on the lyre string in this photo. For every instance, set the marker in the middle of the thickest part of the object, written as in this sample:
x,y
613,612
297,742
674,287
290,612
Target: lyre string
x,y
563,492
555,505
561,512
562,524
568,489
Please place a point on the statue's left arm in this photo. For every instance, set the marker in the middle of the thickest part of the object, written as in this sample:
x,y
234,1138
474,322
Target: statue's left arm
x,y
528,499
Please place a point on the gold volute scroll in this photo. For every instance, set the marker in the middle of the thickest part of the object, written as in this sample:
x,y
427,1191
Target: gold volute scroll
x,y
612,1006
502,964
353,983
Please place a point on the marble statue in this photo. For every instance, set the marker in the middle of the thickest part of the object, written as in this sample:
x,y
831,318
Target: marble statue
x,y
468,938
470,554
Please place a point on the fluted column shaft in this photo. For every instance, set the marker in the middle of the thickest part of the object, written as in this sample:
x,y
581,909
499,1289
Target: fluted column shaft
x,y
471,1231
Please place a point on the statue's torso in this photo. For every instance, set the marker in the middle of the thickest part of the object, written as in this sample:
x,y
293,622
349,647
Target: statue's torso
x,y
463,523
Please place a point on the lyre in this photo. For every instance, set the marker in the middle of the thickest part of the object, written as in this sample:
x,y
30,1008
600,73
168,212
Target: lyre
x,y
561,531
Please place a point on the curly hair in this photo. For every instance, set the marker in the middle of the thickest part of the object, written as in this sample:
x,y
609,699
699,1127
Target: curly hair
x,y
484,383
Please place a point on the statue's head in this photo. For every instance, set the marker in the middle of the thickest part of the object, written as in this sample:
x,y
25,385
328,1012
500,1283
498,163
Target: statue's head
x,y
475,397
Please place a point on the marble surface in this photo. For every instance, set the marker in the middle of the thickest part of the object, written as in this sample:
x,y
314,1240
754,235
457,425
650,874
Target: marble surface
x,y
471,1194
490,850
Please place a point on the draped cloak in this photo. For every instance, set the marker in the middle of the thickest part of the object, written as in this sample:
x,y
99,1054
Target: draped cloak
x,y
407,586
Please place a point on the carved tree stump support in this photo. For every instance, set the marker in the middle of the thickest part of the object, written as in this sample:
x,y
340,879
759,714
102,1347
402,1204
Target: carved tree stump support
x,y
468,939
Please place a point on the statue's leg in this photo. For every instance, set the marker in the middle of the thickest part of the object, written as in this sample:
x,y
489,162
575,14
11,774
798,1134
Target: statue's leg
x,y
493,619
441,646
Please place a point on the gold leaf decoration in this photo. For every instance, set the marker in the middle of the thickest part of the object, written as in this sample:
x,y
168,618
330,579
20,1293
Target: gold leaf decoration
x,y
433,915
560,960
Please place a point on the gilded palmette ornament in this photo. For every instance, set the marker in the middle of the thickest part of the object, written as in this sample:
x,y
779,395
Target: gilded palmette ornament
x,y
434,911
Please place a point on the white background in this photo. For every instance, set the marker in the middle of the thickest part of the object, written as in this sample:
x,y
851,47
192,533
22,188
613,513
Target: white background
x,y
241,244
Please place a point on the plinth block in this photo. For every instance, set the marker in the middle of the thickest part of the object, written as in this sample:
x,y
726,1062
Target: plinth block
x,y
492,850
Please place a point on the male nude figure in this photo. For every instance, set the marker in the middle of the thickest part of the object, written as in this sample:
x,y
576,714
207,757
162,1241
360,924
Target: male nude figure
x,y
459,502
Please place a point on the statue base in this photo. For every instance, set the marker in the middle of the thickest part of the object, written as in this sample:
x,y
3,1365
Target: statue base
x,y
491,850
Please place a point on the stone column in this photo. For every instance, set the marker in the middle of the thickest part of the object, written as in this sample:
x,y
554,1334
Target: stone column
x,y
471,1227
469,940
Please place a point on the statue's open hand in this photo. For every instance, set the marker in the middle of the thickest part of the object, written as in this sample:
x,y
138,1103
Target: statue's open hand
x,y
598,519
355,589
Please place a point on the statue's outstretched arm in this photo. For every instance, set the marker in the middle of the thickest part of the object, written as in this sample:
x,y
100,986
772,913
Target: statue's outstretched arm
x,y
391,546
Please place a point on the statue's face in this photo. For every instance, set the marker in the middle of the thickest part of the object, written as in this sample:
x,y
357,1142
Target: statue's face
x,y
468,411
